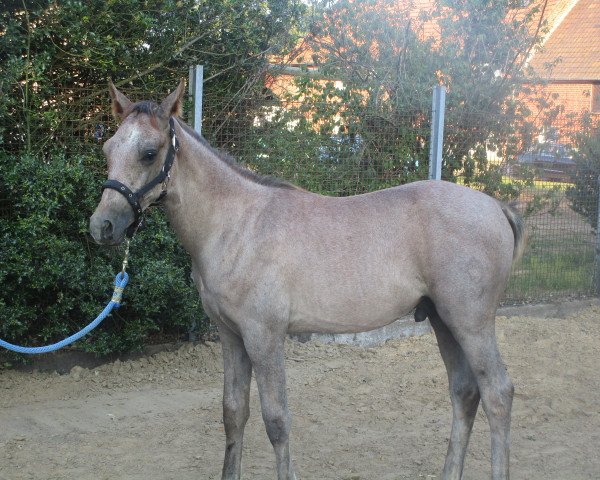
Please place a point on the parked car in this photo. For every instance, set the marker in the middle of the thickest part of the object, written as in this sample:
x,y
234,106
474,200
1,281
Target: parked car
x,y
550,161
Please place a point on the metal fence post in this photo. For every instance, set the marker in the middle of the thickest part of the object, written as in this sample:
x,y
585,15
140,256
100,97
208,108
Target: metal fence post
x,y
196,90
196,84
438,106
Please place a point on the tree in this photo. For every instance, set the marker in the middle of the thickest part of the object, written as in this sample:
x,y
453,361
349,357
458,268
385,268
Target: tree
x,y
382,60
57,57
584,194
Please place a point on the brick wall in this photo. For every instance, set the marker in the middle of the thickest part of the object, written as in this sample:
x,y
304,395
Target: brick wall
x,y
575,99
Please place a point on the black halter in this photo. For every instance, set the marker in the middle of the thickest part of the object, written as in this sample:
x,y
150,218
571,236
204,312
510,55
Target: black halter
x,y
134,198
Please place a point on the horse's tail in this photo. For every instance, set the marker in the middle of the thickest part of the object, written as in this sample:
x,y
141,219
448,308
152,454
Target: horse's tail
x,y
518,227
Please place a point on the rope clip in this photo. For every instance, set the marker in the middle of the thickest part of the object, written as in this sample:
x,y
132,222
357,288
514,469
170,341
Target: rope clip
x,y
126,257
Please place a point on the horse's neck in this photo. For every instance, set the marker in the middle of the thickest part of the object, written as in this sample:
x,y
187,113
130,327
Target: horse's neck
x,y
204,195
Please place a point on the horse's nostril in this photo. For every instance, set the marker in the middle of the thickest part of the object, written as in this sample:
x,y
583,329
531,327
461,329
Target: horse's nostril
x,y
107,229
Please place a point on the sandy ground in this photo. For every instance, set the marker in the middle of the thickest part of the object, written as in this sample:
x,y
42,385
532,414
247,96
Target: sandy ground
x,y
358,414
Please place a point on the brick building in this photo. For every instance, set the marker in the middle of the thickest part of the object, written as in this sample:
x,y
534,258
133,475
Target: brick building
x,y
569,62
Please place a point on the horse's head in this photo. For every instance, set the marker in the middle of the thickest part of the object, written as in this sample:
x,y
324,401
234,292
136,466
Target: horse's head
x,y
137,155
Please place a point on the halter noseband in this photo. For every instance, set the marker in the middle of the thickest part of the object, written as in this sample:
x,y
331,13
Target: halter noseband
x,y
134,198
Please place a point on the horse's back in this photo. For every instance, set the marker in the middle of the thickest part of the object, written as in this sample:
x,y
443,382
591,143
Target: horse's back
x,y
409,215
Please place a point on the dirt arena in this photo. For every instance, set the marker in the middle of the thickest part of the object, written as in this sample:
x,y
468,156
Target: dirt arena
x,y
358,414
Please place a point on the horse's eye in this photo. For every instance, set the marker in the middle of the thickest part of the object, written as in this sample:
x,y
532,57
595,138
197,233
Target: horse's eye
x,y
149,156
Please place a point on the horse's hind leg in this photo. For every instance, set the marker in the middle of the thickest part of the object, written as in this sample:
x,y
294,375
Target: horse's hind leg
x,y
464,394
477,338
236,391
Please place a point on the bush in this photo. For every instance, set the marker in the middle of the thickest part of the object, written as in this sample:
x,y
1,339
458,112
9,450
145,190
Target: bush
x,y
56,280
584,194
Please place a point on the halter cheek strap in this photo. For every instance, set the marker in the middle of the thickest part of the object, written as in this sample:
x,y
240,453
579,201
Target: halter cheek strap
x,y
134,198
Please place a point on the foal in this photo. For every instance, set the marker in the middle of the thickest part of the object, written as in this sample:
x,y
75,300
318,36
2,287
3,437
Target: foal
x,y
271,259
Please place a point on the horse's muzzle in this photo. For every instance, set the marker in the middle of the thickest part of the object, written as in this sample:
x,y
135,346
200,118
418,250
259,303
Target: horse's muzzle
x,y
107,231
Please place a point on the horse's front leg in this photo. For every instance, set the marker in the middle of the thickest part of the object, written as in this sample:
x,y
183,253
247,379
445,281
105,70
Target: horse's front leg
x,y
266,350
236,391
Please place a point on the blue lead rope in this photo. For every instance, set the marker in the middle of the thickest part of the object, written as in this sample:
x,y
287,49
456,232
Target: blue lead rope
x,y
115,302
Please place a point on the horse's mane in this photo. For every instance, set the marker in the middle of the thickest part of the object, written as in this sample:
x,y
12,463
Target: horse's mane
x,y
153,109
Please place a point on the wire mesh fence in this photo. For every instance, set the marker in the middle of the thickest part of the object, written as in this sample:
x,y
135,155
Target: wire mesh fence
x,y
283,142
559,260
317,147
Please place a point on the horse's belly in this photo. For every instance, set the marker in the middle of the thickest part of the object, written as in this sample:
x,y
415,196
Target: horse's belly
x,y
350,318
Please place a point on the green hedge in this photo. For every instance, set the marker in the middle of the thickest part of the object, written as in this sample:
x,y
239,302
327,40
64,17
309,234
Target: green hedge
x,y
55,280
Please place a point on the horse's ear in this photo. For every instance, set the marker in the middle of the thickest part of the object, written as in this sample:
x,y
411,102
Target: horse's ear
x,y
120,103
173,104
